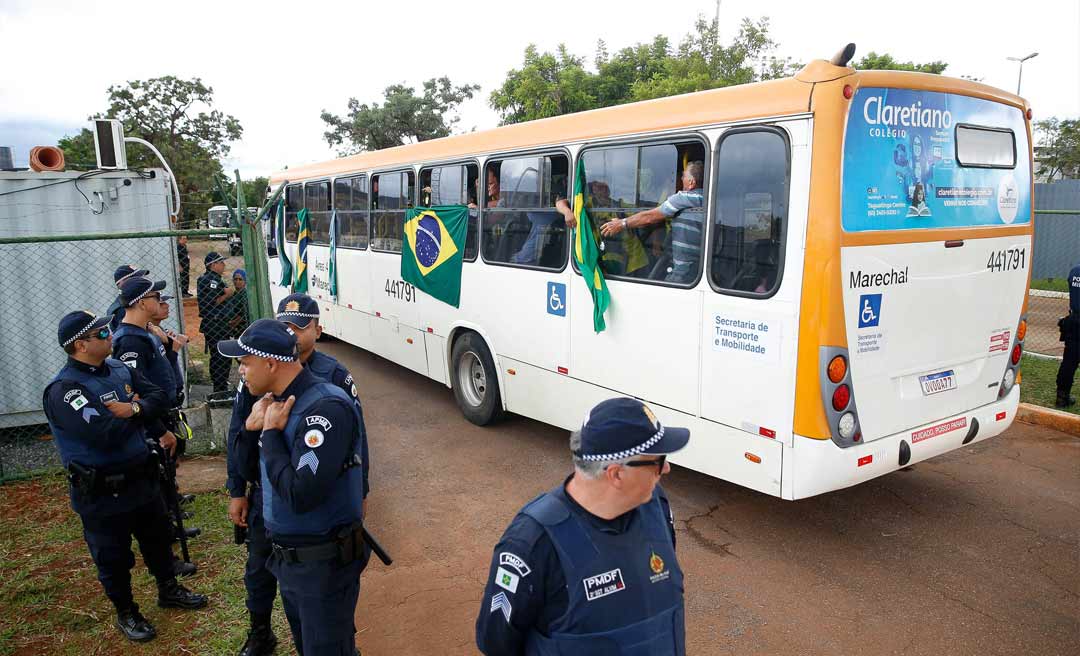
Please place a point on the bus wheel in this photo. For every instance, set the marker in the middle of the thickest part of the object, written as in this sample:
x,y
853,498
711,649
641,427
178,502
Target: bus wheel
x,y
475,381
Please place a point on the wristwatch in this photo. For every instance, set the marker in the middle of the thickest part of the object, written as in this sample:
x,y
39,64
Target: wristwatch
x,y
135,409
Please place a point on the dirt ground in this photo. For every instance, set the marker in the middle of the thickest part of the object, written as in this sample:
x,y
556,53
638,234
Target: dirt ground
x,y
975,552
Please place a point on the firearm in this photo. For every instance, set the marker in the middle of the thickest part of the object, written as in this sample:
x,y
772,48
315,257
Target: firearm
x,y
375,547
172,497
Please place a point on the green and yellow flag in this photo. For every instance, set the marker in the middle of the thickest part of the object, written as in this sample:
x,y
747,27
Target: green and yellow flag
x,y
303,237
434,244
587,253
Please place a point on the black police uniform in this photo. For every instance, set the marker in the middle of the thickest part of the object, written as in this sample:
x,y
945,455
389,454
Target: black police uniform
x,y
116,308
184,262
312,499
214,326
563,580
114,485
1070,334
243,470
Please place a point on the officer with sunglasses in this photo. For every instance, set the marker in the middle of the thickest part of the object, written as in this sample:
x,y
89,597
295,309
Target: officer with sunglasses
x,y
590,566
97,409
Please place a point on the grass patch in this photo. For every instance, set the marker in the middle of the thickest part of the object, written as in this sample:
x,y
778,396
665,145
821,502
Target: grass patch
x,y
52,603
1038,384
1050,284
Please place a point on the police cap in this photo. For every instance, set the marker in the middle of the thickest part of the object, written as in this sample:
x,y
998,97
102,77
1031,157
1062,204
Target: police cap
x,y
265,338
133,290
297,309
213,257
624,427
126,271
76,325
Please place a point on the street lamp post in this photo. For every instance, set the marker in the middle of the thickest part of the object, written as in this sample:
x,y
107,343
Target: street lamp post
x,y
1020,75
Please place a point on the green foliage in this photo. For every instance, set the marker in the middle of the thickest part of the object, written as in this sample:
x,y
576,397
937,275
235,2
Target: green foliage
x,y
178,117
551,84
403,118
885,62
1058,149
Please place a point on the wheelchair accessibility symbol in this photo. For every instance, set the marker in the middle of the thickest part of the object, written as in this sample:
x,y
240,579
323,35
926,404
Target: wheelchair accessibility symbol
x,y
556,295
869,310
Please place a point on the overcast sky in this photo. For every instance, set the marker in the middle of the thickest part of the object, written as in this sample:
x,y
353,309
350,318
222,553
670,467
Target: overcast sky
x,y
276,65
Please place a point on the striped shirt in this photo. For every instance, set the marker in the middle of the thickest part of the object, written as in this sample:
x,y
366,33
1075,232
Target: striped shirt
x,y
686,230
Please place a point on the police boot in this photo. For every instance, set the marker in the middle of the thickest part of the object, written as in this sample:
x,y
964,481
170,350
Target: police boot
x,y
134,625
174,595
261,640
181,568
1064,400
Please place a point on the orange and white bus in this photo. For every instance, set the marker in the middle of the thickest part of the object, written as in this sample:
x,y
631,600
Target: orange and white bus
x,y
848,298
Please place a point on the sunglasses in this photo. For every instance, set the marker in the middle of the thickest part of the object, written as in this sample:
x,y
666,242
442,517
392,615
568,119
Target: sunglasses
x,y
102,333
659,464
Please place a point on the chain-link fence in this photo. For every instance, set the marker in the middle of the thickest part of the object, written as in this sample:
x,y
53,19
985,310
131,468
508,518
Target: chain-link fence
x,y
42,279
1056,251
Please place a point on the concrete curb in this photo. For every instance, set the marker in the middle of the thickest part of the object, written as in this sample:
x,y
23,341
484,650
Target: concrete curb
x,y
1065,422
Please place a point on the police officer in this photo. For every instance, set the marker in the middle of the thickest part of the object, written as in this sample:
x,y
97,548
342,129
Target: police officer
x,y
311,483
96,408
184,262
116,309
138,348
1070,334
590,566
213,295
301,313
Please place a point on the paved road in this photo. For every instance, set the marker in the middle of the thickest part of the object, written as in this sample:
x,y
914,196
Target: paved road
x,y
975,552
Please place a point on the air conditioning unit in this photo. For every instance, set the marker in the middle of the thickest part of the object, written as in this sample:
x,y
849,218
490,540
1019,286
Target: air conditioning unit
x,y
109,144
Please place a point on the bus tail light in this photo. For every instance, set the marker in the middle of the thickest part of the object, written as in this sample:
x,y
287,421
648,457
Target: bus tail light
x,y
849,92
1016,354
1029,114
838,396
1012,367
1021,330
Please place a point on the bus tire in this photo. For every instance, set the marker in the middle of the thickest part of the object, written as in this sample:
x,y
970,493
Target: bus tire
x,y
475,380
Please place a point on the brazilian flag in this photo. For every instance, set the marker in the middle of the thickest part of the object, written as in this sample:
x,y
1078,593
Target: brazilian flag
x,y
434,245
302,239
587,253
282,250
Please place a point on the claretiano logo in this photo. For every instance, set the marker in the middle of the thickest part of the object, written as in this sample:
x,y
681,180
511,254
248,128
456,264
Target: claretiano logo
x,y
893,120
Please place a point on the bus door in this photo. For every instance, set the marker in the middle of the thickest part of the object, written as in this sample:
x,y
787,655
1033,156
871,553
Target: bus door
x,y
750,312
932,323
353,262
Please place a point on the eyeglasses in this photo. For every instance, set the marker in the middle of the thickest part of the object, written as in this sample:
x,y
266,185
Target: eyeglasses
x,y
103,333
153,297
659,464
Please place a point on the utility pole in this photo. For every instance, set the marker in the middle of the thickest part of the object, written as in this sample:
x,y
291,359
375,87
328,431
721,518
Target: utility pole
x,y
1020,75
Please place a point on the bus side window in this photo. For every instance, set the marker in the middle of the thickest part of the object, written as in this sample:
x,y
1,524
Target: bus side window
x,y
317,202
391,194
294,202
751,210
521,224
623,181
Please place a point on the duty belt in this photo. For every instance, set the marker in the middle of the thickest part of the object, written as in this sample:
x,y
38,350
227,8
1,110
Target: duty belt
x,y
347,546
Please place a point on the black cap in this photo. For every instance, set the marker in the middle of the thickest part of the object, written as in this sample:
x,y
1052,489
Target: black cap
x,y
126,271
298,309
624,427
133,290
76,324
266,338
212,257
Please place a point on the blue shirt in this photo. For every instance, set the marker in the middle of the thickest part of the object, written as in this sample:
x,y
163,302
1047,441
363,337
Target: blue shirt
x,y
540,597
687,228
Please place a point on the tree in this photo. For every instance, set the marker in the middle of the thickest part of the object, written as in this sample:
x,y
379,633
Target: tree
x,y
178,117
553,84
885,62
403,118
1058,151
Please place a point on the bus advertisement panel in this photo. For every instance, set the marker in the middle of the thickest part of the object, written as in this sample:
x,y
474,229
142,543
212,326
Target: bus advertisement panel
x,y
922,159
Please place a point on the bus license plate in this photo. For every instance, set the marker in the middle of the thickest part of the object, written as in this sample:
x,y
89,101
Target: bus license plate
x,y
942,381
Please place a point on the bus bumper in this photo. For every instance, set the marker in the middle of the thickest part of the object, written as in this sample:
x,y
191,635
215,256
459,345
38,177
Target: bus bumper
x,y
818,466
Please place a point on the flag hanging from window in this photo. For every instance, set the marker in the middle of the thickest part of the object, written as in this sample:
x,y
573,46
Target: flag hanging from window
x,y
283,257
587,253
302,238
333,254
434,242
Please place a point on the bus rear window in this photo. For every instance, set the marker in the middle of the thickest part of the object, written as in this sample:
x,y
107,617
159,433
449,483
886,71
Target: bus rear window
x,y
985,147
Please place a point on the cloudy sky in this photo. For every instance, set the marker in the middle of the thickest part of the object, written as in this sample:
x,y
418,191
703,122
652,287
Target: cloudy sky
x,y
276,65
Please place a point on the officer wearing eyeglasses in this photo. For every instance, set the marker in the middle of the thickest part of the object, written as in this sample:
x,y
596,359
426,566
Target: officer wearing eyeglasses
x,y
590,567
123,273
97,409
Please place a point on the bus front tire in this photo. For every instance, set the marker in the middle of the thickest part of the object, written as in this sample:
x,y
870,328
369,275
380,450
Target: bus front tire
x,y
475,380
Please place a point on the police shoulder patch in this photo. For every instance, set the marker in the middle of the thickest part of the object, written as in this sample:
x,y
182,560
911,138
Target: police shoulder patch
x,y
517,562
352,390
130,355
213,285
76,399
314,438
318,420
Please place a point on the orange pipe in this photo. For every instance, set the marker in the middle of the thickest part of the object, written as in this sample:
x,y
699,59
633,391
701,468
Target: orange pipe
x,y
46,158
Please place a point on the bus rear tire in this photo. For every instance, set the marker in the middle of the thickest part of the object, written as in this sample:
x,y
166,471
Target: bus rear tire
x,y
475,380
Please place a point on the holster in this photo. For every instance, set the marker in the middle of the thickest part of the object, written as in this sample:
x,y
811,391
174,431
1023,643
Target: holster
x,y
350,543
1069,327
